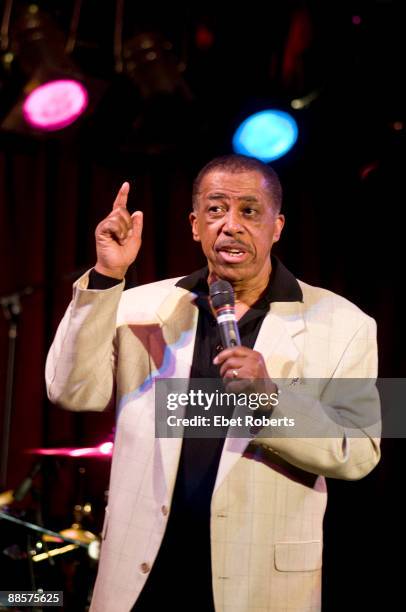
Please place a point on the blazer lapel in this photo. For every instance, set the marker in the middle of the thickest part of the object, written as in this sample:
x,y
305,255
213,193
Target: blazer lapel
x,y
178,315
275,342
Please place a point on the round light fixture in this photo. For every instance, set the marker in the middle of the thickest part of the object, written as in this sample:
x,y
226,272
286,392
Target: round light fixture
x,y
266,135
55,104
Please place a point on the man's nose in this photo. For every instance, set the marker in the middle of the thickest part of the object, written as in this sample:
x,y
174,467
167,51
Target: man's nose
x,y
232,222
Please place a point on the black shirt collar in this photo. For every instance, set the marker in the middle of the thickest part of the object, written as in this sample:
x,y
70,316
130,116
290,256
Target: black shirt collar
x,y
282,286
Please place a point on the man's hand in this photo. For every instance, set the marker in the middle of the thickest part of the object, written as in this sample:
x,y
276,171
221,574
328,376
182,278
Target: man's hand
x,y
118,237
243,369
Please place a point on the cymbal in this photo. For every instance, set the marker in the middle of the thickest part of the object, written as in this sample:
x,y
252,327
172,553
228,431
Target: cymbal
x,y
81,535
6,497
102,451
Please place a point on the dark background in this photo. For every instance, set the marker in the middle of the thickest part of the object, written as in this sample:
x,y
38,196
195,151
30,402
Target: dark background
x,y
155,123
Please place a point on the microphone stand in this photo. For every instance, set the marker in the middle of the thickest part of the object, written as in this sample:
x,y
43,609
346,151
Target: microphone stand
x,y
11,306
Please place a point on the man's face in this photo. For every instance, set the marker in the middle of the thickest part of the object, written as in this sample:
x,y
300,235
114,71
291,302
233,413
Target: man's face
x,y
235,222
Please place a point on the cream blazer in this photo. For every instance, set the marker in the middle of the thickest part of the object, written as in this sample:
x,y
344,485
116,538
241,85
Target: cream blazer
x,y
270,494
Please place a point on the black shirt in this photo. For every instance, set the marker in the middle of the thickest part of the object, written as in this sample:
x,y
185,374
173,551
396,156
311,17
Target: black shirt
x,y
181,573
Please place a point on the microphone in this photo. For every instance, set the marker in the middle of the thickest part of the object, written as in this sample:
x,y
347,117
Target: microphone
x,y
222,300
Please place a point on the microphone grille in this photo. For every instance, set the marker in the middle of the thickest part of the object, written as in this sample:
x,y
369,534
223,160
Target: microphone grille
x,y
221,294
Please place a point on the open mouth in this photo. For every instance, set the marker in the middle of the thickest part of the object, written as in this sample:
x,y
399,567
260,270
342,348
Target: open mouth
x,y
232,255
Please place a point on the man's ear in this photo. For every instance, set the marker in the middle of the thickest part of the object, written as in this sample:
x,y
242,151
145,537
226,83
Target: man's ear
x,y
193,223
278,227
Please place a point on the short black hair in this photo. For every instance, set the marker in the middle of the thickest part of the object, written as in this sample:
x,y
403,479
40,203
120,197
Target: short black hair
x,y
242,163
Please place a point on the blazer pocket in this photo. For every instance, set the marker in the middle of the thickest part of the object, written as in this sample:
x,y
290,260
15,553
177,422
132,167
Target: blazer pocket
x,y
105,524
298,556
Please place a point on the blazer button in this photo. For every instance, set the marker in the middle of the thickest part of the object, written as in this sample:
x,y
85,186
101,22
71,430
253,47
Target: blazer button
x,y
145,567
164,510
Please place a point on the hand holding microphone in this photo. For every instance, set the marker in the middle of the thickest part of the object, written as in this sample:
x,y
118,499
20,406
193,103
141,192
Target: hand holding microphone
x,y
240,367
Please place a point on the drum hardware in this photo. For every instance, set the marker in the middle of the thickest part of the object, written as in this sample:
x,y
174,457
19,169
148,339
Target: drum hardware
x,y
18,494
53,552
74,536
81,510
76,531
52,543
69,564
39,529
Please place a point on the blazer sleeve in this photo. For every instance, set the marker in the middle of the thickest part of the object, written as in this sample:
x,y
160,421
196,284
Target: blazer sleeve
x,y
80,365
336,434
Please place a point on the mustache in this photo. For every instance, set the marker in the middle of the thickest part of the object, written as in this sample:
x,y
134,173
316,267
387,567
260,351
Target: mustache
x,y
233,244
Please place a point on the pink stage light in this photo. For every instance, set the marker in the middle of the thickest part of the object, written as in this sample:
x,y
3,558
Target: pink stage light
x,y
55,104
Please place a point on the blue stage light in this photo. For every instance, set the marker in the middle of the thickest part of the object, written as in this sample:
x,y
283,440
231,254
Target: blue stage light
x,y
266,135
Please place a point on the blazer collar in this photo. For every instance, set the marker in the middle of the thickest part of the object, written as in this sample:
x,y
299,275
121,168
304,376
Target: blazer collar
x,y
282,286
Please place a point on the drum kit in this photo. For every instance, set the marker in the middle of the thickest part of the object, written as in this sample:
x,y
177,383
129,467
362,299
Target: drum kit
x,y
31,554
50,543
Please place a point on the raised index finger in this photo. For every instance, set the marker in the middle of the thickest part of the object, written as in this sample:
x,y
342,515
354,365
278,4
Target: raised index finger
x,y
122,195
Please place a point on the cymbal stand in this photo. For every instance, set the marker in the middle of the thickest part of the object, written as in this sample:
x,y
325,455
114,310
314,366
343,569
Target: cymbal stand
x,y
82,510
11,306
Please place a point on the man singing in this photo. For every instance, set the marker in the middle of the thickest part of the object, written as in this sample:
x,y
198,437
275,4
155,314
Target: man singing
x,y
213,524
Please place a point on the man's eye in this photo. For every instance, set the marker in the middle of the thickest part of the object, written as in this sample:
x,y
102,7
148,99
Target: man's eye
x,y
250,212
215,208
